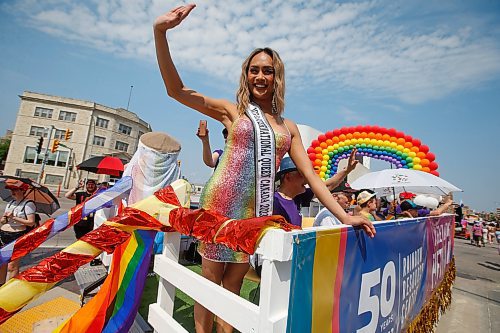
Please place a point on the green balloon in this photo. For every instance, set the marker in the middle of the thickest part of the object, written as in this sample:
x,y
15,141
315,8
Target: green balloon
x,y
404,155
376,147
341,149
363,145
399,153
409,159
330,154
335,152
410,165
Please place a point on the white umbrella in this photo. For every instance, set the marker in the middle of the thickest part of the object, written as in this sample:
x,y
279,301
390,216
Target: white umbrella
x,y
391,181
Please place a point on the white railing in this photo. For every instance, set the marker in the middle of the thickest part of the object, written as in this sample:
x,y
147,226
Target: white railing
x,y
269,316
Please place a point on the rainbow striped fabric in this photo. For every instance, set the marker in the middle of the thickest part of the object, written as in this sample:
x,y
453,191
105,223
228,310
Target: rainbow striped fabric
x,y
316,284
114,308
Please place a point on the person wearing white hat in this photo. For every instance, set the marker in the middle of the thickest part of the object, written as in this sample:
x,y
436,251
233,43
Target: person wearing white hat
x,y
367,201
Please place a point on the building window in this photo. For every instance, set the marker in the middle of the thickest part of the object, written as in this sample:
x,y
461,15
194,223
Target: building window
x,y
30,175
140,133
59,134
121,146
43,112
53,179
59,158
101,122
67,116
99,141
124,129
39,131
30,155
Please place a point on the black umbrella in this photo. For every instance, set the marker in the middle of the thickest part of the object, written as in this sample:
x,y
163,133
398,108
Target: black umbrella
x,y
44,200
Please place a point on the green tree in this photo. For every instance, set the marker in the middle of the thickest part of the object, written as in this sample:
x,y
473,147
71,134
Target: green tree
x,y
4,149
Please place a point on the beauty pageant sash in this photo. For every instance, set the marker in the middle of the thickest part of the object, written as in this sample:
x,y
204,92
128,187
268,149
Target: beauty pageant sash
x,y
265,161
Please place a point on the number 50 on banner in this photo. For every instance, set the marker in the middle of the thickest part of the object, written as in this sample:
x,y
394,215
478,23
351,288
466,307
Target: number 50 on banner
x,y
378,305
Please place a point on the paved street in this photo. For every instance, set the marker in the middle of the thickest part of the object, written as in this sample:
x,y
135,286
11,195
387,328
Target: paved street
x,y
476,294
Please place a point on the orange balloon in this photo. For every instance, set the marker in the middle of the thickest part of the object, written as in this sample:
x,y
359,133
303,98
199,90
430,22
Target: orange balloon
x,y
319,156
408,145
335,139
342,137
329,142
318,149
421,155
318,163
426,169
378,136
386,137
400,141
371,135
425,162
348,136
323,145
356,135
414,149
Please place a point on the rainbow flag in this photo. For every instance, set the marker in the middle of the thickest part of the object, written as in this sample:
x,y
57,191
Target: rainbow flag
x,y
317,281
115,306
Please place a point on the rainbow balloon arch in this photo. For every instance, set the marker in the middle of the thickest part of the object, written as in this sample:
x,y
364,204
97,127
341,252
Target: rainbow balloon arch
x,y
387,144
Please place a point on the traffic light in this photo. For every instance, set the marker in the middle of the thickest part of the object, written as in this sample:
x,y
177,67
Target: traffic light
x,y
68,134
40,144
55,145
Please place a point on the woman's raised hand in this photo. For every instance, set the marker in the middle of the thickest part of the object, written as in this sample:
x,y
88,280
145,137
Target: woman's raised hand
x,y
172,18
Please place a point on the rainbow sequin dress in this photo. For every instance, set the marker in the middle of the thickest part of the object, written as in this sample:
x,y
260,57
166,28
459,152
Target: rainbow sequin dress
x,y
231,189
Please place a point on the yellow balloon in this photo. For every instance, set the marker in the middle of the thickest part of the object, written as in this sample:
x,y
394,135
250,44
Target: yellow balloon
x,y
323,168
322,174
394,144
387,143
417,166
373,142
326,157
347,142
366,140
412,154
400,148
416,160
336,146
341,144
325,152
330,148
406,150
324,163
380,143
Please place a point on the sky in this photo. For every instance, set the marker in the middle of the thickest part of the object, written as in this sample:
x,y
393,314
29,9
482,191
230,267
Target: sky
x,y
428,68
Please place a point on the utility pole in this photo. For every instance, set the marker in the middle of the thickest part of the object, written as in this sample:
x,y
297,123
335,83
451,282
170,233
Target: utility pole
x,y
46,155
70,158
129,96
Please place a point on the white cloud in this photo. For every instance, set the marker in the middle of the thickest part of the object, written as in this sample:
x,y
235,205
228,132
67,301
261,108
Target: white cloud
x,y
325,44
351,116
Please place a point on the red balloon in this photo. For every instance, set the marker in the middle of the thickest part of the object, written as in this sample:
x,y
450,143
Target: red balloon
x,y
367,128
424,149
416,142
408,138
359,128
375,129
343,130
312,156
435,173
315,143
430,156
329,134
311,150
321,137
336,132
391,131
433,166
400,134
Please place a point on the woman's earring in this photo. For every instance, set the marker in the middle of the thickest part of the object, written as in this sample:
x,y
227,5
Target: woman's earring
x,y
274,109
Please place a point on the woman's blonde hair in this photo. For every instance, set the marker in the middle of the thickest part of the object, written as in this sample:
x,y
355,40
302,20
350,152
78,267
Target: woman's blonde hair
x,y
243,95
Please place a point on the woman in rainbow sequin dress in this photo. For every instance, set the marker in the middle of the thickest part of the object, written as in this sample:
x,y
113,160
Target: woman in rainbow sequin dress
x,y
253,122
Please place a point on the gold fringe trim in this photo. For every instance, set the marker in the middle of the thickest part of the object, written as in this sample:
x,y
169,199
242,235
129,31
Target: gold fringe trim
x,y
439,301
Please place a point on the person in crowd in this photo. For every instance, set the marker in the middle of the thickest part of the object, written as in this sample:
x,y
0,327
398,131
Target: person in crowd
x,y
343,194
477,231
292,193
367,202
211,159
491,232
409,209
258,137
484,239
16,221
87,223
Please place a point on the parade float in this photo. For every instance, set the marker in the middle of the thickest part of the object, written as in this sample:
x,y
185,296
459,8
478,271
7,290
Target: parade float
x,y
313,280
